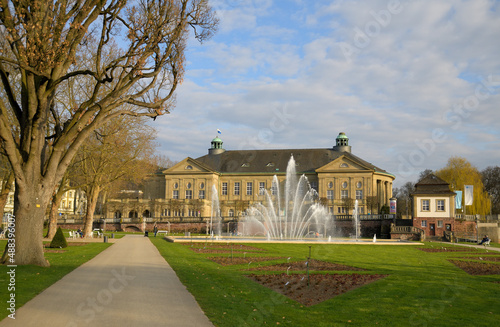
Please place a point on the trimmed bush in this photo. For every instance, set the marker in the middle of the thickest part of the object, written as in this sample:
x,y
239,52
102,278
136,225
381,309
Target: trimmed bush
x,y
59,241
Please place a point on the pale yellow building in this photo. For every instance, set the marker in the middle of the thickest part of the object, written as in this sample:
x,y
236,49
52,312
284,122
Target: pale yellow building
x,y
184,191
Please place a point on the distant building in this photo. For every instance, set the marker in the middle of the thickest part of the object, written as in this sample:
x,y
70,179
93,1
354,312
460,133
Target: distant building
x,y
73,202
433,206
184,191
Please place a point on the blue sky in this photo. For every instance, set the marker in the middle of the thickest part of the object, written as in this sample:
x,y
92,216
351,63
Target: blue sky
x,y
411,83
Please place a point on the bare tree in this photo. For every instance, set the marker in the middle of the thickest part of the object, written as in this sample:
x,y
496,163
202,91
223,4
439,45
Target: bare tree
x,y
348,203
116,151
372,202
491,181
41,45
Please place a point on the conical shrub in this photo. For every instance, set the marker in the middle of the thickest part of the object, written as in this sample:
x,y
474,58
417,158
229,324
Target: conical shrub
x,y
59,241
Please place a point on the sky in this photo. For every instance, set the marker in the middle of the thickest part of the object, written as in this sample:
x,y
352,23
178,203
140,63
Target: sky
x,y
411,83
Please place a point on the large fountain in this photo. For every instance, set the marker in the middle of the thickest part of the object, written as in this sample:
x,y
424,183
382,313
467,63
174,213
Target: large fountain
x,y
295,214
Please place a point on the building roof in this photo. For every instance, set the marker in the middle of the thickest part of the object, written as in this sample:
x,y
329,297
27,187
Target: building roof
x,y
342,136
431,184
276,161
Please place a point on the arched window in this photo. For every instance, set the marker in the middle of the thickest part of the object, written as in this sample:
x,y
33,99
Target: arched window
x,y
118,214
146,214
132,214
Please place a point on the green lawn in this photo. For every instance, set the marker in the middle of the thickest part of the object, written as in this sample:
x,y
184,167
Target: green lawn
x,y
422,289
31,280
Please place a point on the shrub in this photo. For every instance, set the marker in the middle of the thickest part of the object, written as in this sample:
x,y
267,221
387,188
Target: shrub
x,y
59,241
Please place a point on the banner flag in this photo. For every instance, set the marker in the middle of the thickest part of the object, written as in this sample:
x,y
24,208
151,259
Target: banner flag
x,y
458,200
219,131
468,195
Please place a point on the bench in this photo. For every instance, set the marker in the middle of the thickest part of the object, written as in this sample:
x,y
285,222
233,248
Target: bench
x,y
162,231
486,243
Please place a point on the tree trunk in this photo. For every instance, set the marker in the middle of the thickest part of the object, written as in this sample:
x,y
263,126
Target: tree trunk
x,y
91,203
29,215
54,206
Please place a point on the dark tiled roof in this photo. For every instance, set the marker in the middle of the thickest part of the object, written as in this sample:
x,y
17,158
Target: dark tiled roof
x,y
431,184
276,161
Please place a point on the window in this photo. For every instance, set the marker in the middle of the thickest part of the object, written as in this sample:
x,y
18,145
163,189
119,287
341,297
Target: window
x,y
224,188
424,223
188,185
201,194
425,205
189,194
202,185
274,189
440,223
175,194
262,188
330,185
329,194
231,213
236,188
359,194
440,205
342,210
176,185
344,194
359,184
344,165
314,185
330,210
249,188
344,185
188,167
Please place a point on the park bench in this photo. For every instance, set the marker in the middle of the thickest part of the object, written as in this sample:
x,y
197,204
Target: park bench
x,y
162,231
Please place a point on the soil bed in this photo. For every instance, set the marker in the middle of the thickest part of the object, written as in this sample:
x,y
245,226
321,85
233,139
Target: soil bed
x,y
321,287
477,268
301,266
225,261
483,258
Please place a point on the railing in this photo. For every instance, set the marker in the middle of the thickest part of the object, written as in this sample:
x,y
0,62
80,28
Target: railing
x,y
406,230
364,217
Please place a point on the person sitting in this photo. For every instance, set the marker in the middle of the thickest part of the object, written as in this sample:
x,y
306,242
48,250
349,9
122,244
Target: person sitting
x,y
79,232
484,240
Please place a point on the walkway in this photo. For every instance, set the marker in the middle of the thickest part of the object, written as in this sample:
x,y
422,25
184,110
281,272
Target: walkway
x,y
128,284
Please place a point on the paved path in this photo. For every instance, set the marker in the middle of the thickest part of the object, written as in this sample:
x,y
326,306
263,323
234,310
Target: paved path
x,y
477,246
128,284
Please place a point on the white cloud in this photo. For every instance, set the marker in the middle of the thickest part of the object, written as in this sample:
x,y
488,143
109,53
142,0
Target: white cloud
x,y
389,98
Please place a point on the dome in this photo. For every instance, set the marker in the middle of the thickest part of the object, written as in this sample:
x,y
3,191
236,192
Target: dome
x,y
342,136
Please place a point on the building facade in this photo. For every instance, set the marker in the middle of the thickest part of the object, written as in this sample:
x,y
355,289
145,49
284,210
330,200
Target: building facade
x,y
433,206
239,177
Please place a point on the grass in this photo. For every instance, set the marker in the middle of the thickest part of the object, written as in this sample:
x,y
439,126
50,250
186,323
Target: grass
x,y
422,289
31,280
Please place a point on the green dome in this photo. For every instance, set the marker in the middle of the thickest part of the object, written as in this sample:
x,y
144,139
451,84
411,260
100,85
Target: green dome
x,y
216,139
342,136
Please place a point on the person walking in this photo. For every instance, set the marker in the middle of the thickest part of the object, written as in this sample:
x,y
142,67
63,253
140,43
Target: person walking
x,y
155,229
